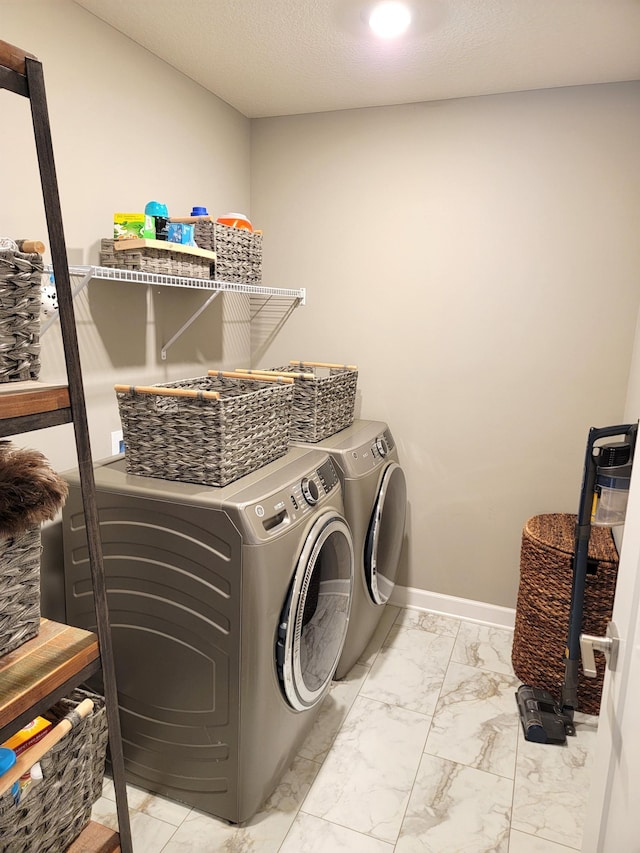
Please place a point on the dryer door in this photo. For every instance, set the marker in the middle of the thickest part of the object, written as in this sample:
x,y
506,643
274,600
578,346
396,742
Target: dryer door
x,y
314,620
386,531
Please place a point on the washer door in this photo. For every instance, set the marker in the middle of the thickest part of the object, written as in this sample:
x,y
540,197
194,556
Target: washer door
x,y
386,530
313,624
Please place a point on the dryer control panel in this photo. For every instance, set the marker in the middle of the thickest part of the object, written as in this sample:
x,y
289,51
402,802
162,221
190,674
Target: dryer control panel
x,y
371,454
383,445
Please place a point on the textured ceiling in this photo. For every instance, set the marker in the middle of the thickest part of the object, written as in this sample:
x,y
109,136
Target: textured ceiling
x,y
281,57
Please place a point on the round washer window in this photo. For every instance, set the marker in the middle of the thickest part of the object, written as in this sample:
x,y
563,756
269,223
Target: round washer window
x,y
314,621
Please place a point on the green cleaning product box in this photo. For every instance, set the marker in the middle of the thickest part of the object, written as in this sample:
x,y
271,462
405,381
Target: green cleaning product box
x,y
133,226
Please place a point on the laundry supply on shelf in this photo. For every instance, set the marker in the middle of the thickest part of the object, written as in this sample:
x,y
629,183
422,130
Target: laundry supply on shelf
x,y
181,232
28,735
235,220
160,217
131,226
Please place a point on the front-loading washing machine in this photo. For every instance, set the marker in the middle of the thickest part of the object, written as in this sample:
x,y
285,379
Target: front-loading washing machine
x,y
375,503
229,609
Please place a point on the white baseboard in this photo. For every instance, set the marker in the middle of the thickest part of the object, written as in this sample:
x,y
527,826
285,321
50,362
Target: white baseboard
x,y
449,605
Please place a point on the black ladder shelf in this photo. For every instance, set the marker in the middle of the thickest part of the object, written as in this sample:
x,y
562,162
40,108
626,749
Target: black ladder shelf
x,y
21,73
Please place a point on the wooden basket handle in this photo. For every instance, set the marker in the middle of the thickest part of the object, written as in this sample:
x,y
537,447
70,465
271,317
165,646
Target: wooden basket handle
x,y
237,374
31,246
324,364
167,392
14,57
26,759
275,373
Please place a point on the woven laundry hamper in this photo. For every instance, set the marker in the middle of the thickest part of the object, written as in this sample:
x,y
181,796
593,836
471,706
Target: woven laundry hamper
x,y
544,601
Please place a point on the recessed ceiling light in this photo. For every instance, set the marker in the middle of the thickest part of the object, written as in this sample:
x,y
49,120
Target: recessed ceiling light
x,y
389,19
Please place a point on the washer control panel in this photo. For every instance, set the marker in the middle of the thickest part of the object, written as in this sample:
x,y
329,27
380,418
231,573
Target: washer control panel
x,y
328,476
309,489
295,502
320,482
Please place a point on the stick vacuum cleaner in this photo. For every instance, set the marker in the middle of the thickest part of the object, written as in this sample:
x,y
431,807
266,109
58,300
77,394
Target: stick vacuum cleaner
x,y
603,500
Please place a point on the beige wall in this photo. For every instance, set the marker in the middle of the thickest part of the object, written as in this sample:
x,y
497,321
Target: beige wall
x,y
126,128
478,259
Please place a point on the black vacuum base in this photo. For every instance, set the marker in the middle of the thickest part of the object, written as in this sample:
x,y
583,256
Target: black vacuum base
x,y
543,719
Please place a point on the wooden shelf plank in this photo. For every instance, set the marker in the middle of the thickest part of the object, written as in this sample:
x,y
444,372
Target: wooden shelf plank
x,y
14,57
164,245
29,398
96,838
41,665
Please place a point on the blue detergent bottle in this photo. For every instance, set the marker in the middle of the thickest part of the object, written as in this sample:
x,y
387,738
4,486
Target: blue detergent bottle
x,y
160,215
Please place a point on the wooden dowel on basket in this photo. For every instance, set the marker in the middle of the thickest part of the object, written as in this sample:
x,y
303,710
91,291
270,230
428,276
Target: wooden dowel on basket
x,y
31,756
14,57
167,392
275,373
324,364
262,377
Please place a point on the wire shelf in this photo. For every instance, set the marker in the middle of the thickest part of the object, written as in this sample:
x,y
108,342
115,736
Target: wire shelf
x,y
269,294
142,277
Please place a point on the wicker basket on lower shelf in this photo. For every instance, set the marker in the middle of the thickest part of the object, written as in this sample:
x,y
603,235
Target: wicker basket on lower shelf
x,y
324,397
161,261
54,811
211,430
31,492
544,600
19,589
20,285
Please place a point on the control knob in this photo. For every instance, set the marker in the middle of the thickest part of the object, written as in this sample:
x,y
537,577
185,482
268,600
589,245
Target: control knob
x,y
310,491
381,446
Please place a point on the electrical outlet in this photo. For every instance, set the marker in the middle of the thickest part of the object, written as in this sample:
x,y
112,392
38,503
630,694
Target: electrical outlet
x,y
117,443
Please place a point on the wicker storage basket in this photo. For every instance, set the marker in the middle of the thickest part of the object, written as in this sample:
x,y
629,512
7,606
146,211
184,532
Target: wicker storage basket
x,y
238,250
544,599
324,397
55,811
161,261
19,589
212,429
31,492
20,283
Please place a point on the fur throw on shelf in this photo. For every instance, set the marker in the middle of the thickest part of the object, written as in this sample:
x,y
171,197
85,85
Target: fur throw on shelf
x,y
30,490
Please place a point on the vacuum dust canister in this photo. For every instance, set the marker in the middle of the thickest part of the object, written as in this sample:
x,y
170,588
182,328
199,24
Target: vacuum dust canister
x,y
611,492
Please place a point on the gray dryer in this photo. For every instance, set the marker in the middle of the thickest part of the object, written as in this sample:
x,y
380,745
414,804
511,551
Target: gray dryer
x,y
375,505
229,609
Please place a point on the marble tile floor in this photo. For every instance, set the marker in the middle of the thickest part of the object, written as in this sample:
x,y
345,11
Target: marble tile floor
x,y
418,750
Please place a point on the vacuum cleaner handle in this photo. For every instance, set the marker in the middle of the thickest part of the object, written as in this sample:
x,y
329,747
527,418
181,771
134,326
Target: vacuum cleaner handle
x,y
581,556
